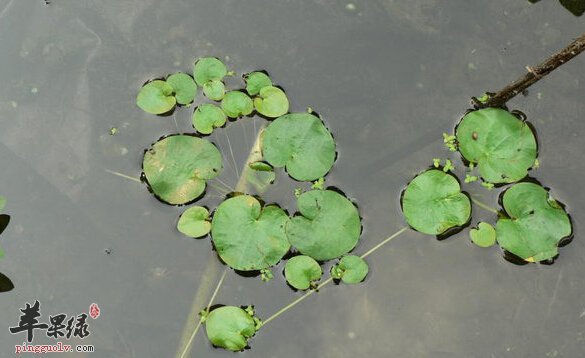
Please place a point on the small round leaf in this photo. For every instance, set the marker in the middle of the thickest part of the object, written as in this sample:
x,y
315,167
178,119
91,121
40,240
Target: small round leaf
x,y
255,81
236,104
433,203
502,145
248,237
214,90
350,269
301,143
328,227
156,97
184,87
206,117
301,271
484,235
271,102
176,167
230,328
193,222
536,223
208,69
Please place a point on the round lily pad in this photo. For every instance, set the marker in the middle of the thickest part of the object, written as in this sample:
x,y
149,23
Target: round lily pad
x,y
255,81
248,237
194,222
208,69
484,235
350,269
214,90
176,167
536,223
502,145
302,271
206,117
301,143
271,102
184,87
230,328
433,203
328,227
236,104
156,97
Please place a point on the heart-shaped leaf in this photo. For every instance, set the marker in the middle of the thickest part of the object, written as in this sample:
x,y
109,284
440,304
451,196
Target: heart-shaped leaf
x,y
176,167
271,102
255,81
156,97
328,227
502,145
248,237
484,235
208,69
433,203
194,222
301,271
301,143
536,223
214,90
184,87
230,328
208,116
350,269
237,104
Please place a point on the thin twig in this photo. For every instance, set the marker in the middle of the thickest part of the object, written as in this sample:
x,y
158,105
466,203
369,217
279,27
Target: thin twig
x,y
534,74
123,175
484,206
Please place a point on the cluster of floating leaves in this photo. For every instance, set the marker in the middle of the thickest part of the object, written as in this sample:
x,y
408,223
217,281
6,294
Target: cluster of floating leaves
x,y
502,148
248,235
5,283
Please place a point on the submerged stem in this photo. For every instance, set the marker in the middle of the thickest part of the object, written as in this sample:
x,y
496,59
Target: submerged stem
x,y
330,279
123,175
484,206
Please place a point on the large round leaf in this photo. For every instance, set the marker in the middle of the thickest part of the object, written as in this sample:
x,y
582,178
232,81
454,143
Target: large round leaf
x,y
156,97
433,203
176,167
301,271
236,104
502,145
248,237
184,87
536,223
230,328
301,143
271,102
328,227
208,69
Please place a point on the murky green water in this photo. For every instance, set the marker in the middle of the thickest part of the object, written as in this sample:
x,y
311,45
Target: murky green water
x,y
388,77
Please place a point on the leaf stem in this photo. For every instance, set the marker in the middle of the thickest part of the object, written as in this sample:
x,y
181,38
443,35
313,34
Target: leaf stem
x,y
123,175
329,280
484,206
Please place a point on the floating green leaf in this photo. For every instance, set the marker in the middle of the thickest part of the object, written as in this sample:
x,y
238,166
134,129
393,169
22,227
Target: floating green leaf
x,y
328,227
208,116
350,269
184,87
236,104
484,235
230,328
536,223
255,81
214,90
260,176
302,271
248,237
502,145
194,222
208,69
271,102
433,203
301,143
176,167
156,97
